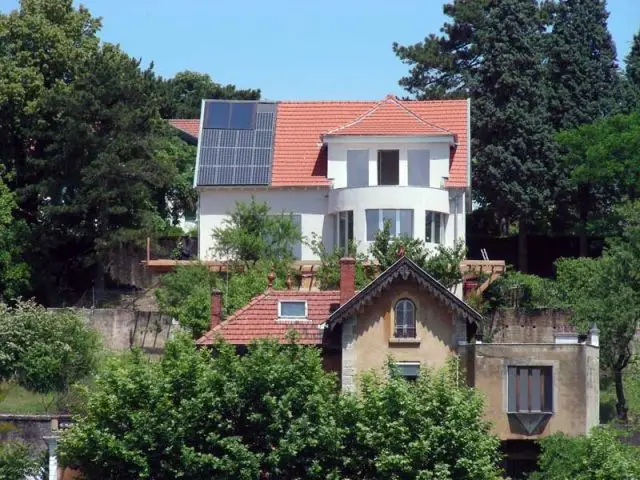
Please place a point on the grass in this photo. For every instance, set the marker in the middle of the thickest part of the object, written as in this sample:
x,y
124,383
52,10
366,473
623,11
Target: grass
x,y
17,400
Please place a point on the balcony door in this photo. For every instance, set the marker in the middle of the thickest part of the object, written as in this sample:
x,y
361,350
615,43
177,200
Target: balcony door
x,y
388,167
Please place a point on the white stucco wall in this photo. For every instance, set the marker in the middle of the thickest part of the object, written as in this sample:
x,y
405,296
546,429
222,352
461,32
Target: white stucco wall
x,y
310,204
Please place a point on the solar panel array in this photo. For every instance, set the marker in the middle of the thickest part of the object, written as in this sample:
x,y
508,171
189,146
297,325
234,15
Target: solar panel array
x,y
237,156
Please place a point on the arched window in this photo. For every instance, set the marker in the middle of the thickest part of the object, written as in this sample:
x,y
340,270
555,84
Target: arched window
x,y
405,313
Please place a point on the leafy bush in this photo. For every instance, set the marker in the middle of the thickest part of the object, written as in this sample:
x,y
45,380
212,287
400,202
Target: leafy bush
x,y
600,455
16,461
45,350
274,413
522,290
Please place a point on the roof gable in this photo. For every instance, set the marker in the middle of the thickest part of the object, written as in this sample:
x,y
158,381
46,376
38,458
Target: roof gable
x,y
404,269
390,117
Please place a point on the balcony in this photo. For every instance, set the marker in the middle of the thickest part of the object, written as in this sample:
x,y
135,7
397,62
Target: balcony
x,y
388,196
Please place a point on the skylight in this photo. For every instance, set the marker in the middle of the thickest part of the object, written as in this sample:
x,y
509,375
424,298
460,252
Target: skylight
x,y
292,309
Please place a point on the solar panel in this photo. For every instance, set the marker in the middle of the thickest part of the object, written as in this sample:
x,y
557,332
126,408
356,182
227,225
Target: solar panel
x,y
241,152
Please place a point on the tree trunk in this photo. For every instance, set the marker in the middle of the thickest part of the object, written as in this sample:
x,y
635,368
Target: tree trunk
x,y
523,264
621,405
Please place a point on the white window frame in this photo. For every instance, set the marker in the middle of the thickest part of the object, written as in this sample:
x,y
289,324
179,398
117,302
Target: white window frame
x,y
288,317
399,365
342,238
381,221
432,226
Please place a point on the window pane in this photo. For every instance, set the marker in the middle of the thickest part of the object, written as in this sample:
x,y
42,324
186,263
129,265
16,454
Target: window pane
x,y
406,222
342,228
388,167
297,248
373,222
536,402
437,228
390,216
523,389
357,168
405,318
428,227
349,227
292,309
409,370
418,169
547,385
336,230
511,384
216,115
242,116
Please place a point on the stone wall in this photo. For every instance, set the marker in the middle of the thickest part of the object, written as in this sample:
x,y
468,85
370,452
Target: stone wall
x,y
28,428
538,326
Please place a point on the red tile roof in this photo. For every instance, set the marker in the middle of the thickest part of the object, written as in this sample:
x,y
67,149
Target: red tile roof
x,y
390,117
300,159
187,125
259,318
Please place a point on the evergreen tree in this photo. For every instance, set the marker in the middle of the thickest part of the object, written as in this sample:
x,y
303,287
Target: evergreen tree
x,y
514,151
633,62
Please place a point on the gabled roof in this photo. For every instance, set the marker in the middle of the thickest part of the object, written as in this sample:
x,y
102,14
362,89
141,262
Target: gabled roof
x,y
390,117
259,319
404,269
188,126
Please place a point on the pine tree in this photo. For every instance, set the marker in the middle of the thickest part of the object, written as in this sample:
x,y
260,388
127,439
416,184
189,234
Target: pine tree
x,y
633,62
514,148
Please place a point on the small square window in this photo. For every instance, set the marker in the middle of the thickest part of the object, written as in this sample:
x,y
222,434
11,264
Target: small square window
x,y
408,370
530,389
292,309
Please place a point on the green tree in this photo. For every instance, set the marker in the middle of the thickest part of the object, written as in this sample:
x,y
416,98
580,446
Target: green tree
x,y
14,272
252,233
269,413
16,461
597,456
632,61
44,350
606,292
328,272
443,263
181,96
400,429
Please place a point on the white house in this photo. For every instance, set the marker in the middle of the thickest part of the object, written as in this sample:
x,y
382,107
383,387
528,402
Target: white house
x,y
340,168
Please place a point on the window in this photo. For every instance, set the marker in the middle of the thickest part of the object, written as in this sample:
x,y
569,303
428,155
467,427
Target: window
x,y
401,222
292,309
405,319
409,370
530,389
344,230
388,167
418,167
434,227
230,115
357,168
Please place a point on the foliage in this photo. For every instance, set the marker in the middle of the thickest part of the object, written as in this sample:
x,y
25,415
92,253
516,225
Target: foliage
x,y
524,291
443,263
14,273
252,233
608,398
632,62
45,350
16,461
274,413
402,429
181,96
328,273
597,456
606,292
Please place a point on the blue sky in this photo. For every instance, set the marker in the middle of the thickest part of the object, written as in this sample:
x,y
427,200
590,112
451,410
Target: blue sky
x,y
290,49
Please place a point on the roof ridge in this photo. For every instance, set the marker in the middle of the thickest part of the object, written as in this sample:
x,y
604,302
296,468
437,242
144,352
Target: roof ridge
x,y
385,100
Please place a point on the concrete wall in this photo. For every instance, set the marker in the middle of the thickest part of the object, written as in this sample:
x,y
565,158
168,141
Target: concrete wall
x,y
27,428
575,385
539,326
368,340
123,329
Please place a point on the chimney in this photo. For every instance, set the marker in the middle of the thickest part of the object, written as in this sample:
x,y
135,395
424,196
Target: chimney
x,y
347,279
216,308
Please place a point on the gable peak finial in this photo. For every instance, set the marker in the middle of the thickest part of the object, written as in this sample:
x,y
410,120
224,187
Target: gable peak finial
x,y
270,278
401,251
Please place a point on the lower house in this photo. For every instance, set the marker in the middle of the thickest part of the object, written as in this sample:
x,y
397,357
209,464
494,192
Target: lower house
x,y
537,375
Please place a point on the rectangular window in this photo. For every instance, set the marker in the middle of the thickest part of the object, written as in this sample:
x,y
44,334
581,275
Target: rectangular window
x,y
434,227
344,230
400,222
418,167
388,167
357,168
292,309
409,370
530,389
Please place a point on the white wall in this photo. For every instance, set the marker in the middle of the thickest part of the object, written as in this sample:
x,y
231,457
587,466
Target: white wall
x,y
337,161
215,204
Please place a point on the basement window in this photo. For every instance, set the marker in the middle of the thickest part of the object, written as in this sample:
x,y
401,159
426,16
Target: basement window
x,y
409,370
292,309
